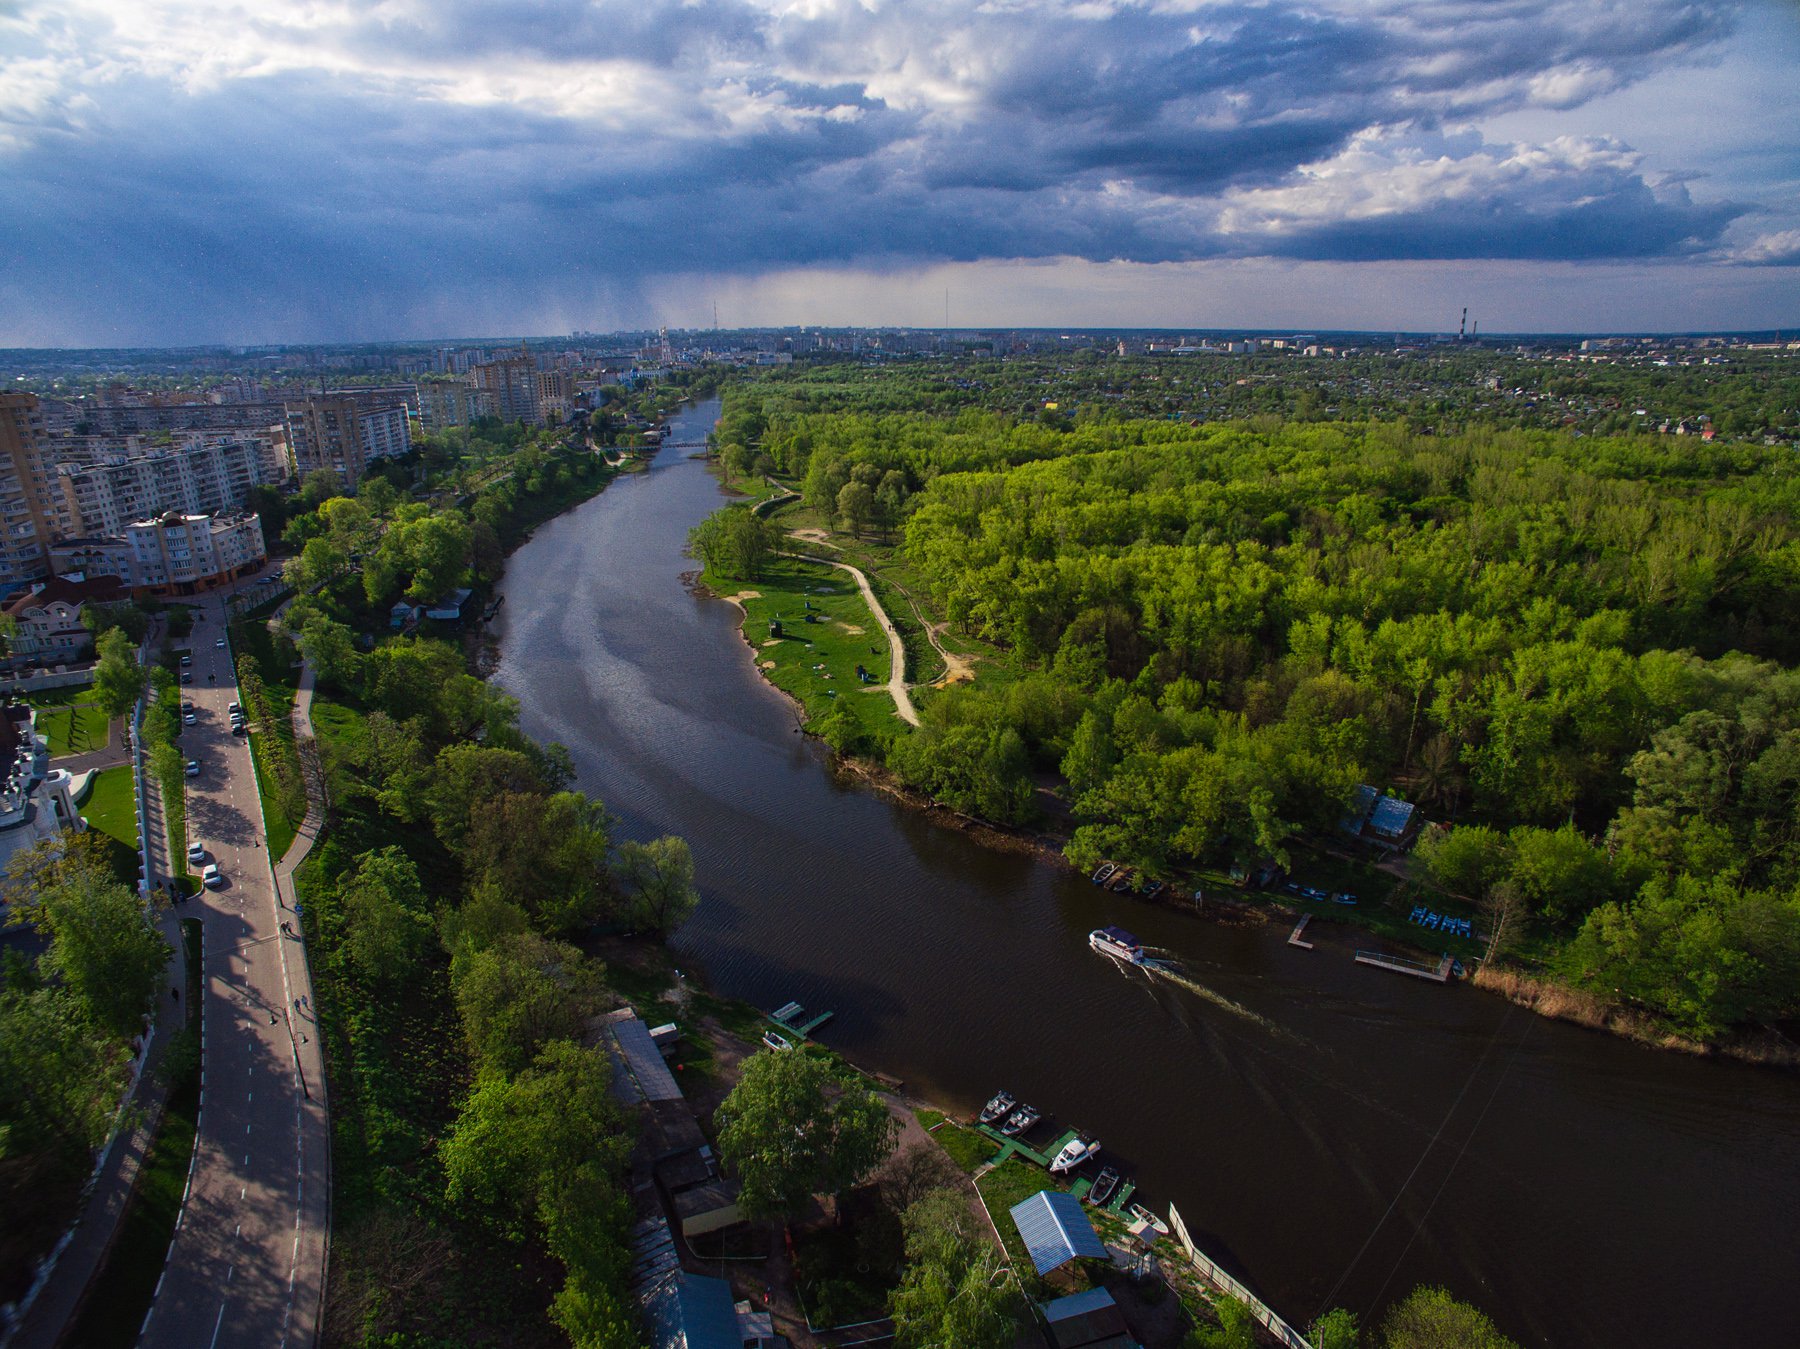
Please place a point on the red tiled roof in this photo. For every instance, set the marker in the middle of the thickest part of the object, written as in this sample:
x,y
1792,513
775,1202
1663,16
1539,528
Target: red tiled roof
x,y
98,589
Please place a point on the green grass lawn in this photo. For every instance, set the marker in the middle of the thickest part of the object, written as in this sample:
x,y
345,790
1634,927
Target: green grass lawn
x,y
281,828
73,730
112,805
1007,1184
967,1148
816,662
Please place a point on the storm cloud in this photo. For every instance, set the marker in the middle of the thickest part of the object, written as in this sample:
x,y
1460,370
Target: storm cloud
x,y
307,167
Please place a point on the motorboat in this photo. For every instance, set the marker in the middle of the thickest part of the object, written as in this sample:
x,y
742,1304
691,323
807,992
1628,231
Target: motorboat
x,y
1117,943
999,1107
1019,1121
1104,1185
1076,1151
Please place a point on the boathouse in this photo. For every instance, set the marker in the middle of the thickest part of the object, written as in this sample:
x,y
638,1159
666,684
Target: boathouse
x,y
1087,1320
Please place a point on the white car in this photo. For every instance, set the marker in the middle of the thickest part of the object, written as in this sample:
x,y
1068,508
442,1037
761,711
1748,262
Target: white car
x,y
189,718
212,878
196,852
220,643
187,660
193,768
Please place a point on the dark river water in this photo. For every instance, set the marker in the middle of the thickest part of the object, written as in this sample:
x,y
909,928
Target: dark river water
x,y
1335,1133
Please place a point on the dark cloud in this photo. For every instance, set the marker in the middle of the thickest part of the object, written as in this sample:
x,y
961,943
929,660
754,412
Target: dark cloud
x,y
609,141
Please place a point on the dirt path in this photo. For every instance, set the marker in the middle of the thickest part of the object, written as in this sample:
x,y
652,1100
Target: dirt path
x,y
896,685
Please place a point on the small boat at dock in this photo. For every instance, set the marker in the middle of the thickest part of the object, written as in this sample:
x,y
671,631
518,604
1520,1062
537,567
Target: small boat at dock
x,y
1117,943
1103,873
1104,1185
1076,1151
1019,1121
1149,1219
1000,1106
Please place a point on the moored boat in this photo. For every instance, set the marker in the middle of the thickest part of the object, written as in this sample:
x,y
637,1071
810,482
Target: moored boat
x,y
1074,1153
1104,1185
1118,943
1103,872
1149,1219
1019,1121
998,1107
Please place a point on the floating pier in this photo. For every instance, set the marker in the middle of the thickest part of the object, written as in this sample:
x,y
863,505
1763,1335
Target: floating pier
x,y
791,1017
1418,969
1299,927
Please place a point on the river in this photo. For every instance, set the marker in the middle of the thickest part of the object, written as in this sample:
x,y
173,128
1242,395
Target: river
x,y
1336,1133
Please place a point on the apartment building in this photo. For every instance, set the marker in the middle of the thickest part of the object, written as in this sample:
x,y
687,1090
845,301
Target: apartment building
x,y
513,385
345,433
26,516
175,554
444,403
102,486
128,419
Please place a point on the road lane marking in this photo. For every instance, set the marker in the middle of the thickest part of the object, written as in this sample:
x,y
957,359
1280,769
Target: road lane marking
x,y
217,1324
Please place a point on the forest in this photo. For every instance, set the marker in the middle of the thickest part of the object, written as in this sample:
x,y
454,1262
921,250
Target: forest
x,y
1577,650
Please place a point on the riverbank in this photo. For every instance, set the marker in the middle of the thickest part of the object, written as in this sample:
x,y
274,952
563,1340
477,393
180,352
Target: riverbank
x,y
1387,901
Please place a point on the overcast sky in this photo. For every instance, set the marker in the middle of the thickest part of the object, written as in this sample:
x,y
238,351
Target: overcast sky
x,y
178,171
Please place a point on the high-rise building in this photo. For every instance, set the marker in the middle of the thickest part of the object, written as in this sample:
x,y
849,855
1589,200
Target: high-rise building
x,y
336,431
512,383
99,489
452,403
26,518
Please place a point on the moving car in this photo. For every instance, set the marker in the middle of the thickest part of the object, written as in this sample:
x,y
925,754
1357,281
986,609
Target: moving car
x,y
220,643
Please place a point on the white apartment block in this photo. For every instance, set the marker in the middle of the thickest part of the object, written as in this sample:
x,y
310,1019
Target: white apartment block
x,y
102,487
176,554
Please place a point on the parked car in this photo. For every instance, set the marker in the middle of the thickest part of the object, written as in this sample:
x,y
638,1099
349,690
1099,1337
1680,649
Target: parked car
x,y
187,660
220,643
187,676
212,878
189,718
193,768
196,852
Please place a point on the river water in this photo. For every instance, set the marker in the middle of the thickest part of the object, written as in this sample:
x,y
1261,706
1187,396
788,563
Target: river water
x,y
1335,1133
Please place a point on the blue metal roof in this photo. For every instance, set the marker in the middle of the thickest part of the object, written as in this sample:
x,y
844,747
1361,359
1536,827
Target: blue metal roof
x,y
1055,1230
691,1311
1391,817
1077,1304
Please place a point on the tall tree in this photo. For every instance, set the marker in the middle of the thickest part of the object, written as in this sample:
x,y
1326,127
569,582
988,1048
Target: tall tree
x,y
956,1289
118,678
793,1127
661,876
1430,1318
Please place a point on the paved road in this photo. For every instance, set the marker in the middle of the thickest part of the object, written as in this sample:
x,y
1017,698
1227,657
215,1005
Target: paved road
x,y
247,1263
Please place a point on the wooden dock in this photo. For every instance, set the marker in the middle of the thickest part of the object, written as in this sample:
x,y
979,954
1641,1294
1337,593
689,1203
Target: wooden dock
x,y
1299,927
791,1017
1437,974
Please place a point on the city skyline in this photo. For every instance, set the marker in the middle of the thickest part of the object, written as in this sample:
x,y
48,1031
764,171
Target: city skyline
x,y
215,172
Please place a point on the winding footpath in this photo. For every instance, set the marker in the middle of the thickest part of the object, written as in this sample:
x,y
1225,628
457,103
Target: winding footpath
x,y
896,685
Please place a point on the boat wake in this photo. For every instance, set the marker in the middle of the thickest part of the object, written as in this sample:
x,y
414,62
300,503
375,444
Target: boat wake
x,y
1171,970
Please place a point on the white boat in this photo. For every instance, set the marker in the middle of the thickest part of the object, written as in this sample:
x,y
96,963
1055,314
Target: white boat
x,y
1149,1219
1118,943
1077,1151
